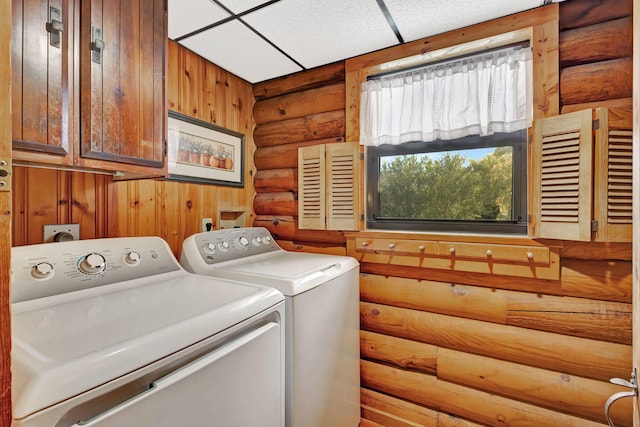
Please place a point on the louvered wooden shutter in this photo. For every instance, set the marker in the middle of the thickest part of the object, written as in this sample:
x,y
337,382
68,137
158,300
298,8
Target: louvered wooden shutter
x,y
311,192
328,193
562,168
613,193
342,189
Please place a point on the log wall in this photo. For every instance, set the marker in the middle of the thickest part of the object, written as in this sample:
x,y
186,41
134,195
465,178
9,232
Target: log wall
x,y
449,348
596,52
295,111
169,209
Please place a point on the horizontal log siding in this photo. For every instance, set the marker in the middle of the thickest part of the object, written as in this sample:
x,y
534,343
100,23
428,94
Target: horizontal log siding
x,y
595,52
287,118
445,348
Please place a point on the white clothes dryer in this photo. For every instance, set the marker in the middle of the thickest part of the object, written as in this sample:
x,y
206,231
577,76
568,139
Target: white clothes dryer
x,y
322,311
113,332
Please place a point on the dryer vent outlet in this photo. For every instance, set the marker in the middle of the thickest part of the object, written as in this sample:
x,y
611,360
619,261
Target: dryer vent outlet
x,y
61,233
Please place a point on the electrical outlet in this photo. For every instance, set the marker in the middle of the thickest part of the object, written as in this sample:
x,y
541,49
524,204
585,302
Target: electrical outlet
x,y
61,232
206,225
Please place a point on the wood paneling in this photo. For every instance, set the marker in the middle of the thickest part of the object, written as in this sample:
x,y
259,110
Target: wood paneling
x,y
5,215
173,210
636,196
46,196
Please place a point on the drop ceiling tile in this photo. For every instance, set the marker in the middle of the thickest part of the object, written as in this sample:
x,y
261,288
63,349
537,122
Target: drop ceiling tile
x,y
239,6
240,51
191,15
320,32
417,19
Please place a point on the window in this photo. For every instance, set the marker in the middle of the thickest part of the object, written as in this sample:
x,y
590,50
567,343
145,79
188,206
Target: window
x,y
471,184
447,144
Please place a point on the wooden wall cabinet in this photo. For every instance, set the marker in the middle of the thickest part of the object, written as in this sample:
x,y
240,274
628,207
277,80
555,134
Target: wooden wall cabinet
x,y
42,81
582,176
328,180
98,101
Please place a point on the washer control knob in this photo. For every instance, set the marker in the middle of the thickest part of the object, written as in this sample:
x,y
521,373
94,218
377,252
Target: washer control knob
x,y
224,246
209,248
132,258
93,264
257,241
243,242
267,238
42,270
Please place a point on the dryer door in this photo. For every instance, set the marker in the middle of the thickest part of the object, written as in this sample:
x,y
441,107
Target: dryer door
x,y
239,384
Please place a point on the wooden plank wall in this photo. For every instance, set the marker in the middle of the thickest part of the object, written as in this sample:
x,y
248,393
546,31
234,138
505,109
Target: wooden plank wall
x,y
444,348
168,209
173,210
5,215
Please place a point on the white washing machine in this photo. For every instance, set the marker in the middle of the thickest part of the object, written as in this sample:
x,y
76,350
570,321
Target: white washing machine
x,y
322,311
113,332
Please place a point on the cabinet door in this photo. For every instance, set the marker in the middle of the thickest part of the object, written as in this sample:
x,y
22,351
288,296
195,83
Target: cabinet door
x,y
41,76
122,95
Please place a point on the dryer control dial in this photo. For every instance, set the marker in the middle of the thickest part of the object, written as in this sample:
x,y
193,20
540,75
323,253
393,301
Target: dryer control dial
x,y
42,270
243,242
209,248
132,258
224,246
93,263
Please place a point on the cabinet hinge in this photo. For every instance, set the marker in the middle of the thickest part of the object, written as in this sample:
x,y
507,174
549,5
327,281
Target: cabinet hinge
x,y
361,156
165,149
594,226
361,217
596,124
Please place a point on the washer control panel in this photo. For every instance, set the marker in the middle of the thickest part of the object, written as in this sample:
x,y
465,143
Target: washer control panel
x,y
53,268
230,244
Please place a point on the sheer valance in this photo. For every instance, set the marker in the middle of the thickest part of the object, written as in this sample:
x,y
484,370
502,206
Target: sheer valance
x,y
477,95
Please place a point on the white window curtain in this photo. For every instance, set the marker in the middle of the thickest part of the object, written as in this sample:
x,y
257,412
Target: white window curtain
x,y
477,95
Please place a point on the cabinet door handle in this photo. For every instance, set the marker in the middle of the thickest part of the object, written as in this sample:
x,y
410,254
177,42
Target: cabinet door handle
x,y
55,26
97,45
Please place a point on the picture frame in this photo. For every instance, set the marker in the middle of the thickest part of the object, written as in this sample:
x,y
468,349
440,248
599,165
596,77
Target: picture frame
x,y
204,153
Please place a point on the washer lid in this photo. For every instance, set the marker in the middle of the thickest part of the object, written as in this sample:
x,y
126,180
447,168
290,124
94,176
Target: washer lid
x,y
289,272
66,344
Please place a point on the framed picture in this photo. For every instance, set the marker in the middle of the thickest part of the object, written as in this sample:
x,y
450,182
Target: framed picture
x,y
204,153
